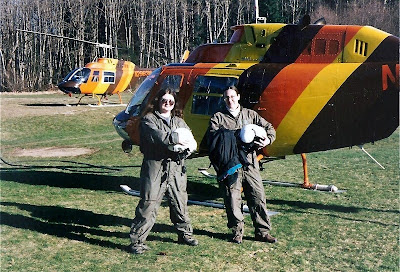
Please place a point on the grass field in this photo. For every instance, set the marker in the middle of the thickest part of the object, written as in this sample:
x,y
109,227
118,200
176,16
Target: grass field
x,y
69,214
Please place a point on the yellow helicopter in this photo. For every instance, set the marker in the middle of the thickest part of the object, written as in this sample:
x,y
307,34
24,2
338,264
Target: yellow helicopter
x,y
100,78
104,77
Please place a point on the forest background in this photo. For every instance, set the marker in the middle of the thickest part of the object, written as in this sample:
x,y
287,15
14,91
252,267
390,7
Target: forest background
x,y
149,33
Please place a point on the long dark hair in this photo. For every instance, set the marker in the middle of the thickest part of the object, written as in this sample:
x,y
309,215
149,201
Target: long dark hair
x,y
156,102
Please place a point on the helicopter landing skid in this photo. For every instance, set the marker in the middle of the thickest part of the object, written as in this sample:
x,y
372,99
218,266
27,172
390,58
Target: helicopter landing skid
x,y
206,203
316,187
107,105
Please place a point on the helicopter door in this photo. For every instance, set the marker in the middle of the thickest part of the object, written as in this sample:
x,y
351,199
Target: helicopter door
x,y
206,99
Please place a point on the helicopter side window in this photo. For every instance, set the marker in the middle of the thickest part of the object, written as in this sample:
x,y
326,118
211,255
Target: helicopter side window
x,y
109,77
95,77
333,47
208,90
172,82
237,35
320,47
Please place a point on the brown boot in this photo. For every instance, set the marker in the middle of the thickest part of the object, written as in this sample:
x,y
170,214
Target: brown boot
x,y
266,237
238,232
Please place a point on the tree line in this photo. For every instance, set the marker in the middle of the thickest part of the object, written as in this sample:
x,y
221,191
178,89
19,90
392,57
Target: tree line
x,y
147,32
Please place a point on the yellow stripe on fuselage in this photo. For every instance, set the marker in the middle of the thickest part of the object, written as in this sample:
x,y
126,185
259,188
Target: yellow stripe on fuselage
x,y
314,97
226,69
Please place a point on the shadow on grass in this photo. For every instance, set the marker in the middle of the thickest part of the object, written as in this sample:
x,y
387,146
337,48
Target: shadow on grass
x,y
69,180
64,165
75,224
92,181
317,206
45,105
63,215
196,190
301,206
94,103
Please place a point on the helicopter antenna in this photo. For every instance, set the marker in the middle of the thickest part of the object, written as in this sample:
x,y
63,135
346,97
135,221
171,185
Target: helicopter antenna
x,y
259,20
369,155
98,45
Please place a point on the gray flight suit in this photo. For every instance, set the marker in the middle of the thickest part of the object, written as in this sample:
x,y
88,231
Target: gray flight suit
x,y
250,179
162,172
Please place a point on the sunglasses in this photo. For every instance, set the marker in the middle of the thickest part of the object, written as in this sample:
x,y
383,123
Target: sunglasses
x,y
168,101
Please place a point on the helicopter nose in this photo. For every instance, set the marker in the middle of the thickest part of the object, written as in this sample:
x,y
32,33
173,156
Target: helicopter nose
x,y
69,87
119,123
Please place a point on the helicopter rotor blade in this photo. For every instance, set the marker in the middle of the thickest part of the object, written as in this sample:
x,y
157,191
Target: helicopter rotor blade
x,y
101,45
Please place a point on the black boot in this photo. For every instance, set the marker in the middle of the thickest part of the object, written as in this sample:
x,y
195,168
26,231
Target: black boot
x,y
137,248
187,239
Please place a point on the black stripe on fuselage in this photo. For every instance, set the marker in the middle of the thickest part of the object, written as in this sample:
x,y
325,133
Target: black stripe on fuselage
x,y
290,43
255,80
287,47
118,77
360,111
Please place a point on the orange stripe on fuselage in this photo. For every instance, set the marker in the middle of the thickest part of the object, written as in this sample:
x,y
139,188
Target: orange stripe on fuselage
x,y
281,93
301,75
351,31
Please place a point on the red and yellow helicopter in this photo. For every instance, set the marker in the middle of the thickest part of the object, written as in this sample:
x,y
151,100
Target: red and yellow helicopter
x,y
322,86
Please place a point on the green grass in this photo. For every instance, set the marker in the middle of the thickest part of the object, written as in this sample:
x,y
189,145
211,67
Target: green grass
x,y
69,214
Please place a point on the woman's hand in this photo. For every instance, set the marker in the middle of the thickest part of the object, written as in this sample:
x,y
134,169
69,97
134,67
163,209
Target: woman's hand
x,y
260,142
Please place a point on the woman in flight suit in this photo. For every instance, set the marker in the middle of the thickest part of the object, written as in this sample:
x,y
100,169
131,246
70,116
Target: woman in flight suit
x,y
162,173
234,117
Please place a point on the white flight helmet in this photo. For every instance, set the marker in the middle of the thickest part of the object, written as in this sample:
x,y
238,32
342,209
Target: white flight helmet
x,y
250,131
184,139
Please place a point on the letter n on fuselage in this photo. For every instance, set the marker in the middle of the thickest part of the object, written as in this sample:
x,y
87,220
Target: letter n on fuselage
x,y
387,74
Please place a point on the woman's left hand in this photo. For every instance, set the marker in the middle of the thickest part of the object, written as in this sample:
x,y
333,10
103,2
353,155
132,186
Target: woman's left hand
x,y
262,142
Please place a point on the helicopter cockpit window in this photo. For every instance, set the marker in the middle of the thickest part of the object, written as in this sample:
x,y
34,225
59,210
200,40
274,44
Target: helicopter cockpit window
x,y
133,108
208,91
80,75
172,82
109,77
213,85
206,105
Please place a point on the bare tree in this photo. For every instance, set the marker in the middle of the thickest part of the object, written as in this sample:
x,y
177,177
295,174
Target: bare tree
x,y
150,32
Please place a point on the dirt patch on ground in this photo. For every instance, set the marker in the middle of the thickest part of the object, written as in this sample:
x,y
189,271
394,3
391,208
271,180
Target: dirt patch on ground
x,y
17,105
48,152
